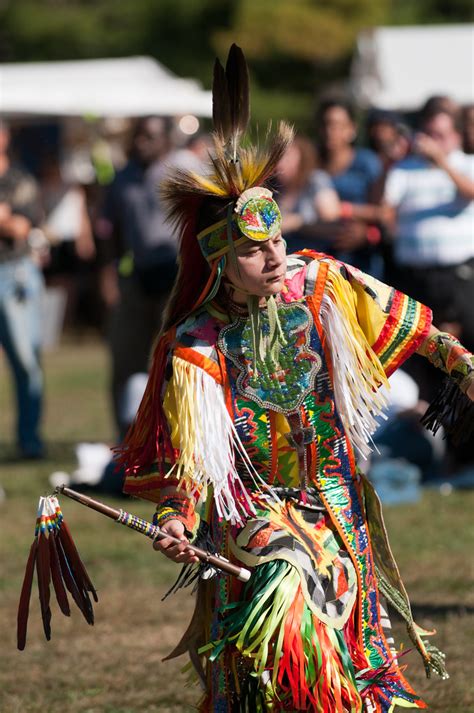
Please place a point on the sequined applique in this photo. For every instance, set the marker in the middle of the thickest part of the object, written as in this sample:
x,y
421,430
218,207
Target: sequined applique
x,y
284,386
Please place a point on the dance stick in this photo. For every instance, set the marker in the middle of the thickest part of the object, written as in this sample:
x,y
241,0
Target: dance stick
x,y
154,532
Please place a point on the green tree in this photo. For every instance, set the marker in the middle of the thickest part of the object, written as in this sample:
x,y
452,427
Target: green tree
x,y
422,12
309,30
294,47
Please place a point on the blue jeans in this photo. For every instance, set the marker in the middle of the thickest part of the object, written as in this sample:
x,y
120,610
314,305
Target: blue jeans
x,y
21,286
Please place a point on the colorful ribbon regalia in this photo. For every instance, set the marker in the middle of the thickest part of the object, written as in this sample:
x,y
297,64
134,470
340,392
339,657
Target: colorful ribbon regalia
x,y
248,433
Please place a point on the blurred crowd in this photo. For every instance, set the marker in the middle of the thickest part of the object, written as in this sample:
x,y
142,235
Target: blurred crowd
x,y
393,197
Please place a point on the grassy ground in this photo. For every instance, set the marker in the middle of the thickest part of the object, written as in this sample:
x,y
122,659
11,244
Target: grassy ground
x,y
116,667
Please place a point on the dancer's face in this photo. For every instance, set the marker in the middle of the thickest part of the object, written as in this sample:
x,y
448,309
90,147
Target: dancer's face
x,y
260,268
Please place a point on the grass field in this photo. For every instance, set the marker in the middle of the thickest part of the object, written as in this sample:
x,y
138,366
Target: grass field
x,y
116,666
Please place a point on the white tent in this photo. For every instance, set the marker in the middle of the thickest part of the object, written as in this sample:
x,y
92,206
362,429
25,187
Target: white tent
x,y
400,67
129,86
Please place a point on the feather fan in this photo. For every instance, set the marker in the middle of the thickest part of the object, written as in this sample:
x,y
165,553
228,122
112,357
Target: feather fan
x,y
56,559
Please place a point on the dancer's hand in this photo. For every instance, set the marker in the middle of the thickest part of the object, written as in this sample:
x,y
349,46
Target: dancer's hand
x,y
182,553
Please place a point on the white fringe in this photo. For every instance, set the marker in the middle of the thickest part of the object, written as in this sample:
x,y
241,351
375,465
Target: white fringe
x,y
359,399
208,442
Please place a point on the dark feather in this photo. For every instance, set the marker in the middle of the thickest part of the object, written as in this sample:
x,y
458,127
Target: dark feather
x,y
238,89
231,169
75,562
196,635
24,604
221,112
183,191
43,574
193,573
79,595
56,576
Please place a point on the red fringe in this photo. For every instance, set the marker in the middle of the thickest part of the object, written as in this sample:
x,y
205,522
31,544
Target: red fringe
x,y
148,440
357,655
328,694
193,281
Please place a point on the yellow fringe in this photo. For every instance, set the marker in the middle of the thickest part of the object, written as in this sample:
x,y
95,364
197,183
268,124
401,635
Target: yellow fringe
x,y
184,384
343,295
207,442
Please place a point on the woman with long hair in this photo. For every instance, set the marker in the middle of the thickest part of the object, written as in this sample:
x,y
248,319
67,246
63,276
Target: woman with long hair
x,y
355,173
306,197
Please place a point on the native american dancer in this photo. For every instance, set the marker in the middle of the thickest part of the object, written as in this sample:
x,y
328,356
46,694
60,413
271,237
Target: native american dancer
x,y
263,390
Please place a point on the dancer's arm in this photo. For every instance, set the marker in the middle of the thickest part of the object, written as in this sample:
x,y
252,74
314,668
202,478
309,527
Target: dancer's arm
x,y
446,353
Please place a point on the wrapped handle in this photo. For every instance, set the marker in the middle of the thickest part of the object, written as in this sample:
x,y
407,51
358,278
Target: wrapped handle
x,y
154,532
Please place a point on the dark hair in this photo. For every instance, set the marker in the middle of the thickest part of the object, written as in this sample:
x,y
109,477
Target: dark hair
x,y
165,121
439,104
383,116
468,142
193,268
138,126
335,103
325,106
212,210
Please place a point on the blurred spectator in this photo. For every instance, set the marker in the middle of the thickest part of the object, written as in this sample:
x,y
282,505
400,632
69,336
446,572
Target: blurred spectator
x,y
68,229
21,285
440,103
355,173
431,195
467,120
137,250
306,198
195,152
389,138
97,470
400,438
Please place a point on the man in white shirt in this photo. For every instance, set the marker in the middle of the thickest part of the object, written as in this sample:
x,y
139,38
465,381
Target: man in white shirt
x,y
430,197
431,194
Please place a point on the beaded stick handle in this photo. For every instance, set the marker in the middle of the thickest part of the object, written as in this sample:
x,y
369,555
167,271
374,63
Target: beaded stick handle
x,y
153,532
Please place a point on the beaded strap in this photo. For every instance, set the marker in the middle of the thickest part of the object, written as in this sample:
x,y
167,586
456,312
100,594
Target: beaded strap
x,y
136,523
445,352
177,506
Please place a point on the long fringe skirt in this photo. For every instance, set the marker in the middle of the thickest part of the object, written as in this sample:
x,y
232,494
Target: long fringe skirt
x,y
289,640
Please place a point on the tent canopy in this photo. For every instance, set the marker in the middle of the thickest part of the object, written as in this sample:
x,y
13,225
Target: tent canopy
x,y
129,86
401,67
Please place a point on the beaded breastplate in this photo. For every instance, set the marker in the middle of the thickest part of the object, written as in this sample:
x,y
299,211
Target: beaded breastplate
x,y
281,384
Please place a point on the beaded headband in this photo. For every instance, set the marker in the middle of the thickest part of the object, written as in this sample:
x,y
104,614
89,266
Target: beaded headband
x,y
256,217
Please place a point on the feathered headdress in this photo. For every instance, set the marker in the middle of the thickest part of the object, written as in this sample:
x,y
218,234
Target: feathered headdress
x,y
213,212
234,167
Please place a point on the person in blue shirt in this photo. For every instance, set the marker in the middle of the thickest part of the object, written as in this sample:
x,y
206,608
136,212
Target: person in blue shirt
x,y
355,173
308,202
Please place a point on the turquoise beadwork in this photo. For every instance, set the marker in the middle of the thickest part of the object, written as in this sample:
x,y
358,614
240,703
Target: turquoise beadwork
x,y
280,386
